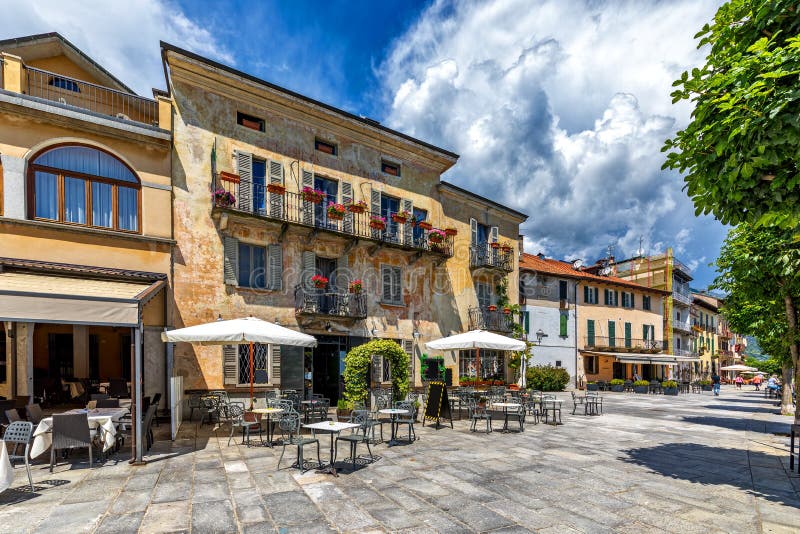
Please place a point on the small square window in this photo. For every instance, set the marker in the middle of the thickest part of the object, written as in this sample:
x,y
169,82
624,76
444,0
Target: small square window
x,y
558,363
327,148
248,121
392,169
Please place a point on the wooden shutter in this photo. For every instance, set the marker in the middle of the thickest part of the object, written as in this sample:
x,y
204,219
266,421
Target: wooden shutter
x,y
309,267
276,200
275,261
563,320
386,278
408,230
596,295
473,228
230,269
308,207
644,331
527,318
276,365
244,164
408,348
590,332
616,298
606,299
612,333
375,209
230,365
397,288
585,294
494,234
628,335
347,196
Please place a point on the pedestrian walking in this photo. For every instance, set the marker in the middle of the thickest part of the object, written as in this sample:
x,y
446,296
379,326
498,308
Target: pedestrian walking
x,y
739,381
716,380
757,382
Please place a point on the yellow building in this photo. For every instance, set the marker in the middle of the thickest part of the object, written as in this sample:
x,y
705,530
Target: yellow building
x,y
85,224
275,192
708,329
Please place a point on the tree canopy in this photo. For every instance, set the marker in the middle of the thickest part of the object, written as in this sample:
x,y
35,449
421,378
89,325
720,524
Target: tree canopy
x,y
740,153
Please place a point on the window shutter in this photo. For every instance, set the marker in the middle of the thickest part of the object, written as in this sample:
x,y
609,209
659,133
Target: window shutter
x,y
375,209
276,365
494,234
275,199
644,331
387,284
244,164
628,335
309,267
230,269
408,348
230,364
605,297
563,325
596,295
347,196
633,302
308,207
612,333
590,332
616,298
527,316
408,230
473,228
397,287
275,260
585,294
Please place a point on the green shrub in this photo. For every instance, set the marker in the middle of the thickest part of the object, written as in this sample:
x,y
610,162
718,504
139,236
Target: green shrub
x,y
705,382
641,383
669,384
547,378
617,382
591,382
343,404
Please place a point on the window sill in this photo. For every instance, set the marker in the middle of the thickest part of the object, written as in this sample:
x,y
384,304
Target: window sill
x,y
392,304
67,227
264,290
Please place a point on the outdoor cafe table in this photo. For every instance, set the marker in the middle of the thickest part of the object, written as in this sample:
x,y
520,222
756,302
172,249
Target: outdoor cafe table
x,y
268,412
505,406
6,471
332,427
103,419
393,413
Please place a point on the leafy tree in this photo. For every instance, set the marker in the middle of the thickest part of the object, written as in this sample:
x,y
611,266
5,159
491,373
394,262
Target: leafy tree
x,y
769,367
758,268
739,155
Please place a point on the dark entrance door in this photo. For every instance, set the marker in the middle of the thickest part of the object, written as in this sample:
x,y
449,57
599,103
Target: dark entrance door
x,y
325,378
125,355
327,268
619,370
647,372
61,360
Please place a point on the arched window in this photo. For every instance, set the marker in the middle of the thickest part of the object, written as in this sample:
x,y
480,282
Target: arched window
x,y
83,185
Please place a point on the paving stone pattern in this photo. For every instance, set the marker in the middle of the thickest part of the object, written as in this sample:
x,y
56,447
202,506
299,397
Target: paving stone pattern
x,y
651,463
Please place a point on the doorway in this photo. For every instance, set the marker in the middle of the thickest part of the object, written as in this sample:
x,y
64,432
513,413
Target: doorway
x,y
327,268
326,371
60,356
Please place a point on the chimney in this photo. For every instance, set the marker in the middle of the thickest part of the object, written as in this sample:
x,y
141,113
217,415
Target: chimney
x,y
540,255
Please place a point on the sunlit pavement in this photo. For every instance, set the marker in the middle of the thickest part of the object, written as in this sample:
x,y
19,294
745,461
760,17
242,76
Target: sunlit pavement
x,y
692,463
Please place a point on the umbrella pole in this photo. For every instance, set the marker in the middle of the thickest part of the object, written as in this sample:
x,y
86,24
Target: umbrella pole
x,y
477,365
251,375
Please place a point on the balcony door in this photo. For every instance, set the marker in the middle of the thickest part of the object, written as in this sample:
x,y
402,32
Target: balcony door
x,y
390,206
331,190
327,268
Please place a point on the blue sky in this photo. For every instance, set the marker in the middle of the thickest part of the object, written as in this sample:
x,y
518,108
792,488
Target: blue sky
x,y
558,108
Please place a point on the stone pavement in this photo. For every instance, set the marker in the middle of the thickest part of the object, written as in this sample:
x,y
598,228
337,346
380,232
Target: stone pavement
x,y
692,463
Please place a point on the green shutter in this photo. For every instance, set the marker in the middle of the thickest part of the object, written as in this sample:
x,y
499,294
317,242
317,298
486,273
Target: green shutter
x,y
563,326
633,301
627,335
527,317
612,334
590,332
585,294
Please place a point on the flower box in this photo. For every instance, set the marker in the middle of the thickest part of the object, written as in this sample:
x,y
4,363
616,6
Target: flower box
x,y
436,236
671,391
592,386
507,311
277,189
224,198
357,207
229,177
494,245
336,212
312,195
425,225
491,308
450,231
506,248
319,281
641,389
356,286
377,222
402,217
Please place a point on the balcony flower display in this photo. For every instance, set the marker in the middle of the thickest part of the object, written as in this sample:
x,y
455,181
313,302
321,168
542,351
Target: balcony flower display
x,y
278,189
450,231
376,222
319,281
507,311
495,245
336,211
312,195
436,236
505,246
491,307
425,225
356,286
401,217
356,207
224,198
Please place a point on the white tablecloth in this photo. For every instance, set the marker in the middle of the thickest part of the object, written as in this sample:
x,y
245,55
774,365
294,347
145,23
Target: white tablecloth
x,y
75,388
103,419
6,471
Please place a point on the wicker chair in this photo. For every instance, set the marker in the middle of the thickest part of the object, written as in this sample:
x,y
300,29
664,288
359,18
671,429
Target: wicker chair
x,y
118,387
20,433
107,403
359,435
13,415
71,431
156,401
35,414
290,435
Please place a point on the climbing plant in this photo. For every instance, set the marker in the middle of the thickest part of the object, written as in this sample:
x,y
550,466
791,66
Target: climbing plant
x,y
356,368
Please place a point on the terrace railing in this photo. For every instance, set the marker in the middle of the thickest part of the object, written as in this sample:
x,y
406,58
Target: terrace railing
x,y
483,318
331,303
622,344
483,255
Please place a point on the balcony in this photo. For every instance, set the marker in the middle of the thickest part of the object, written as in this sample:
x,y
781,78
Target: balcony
x,y
88,96
684,352
320,302
492,320
619,344
484,256
292,208
682,296
684,327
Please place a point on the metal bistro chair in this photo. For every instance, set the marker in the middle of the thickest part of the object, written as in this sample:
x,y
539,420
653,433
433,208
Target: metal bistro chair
x,y
578,400
655,387
517,414
478,413
549,404
194,404
358,435
155,402
71,431
35,414
407,419
290,435
594,399
209,408
20,433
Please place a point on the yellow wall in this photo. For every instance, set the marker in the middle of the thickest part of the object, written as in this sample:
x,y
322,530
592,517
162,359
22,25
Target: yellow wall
x,y
63,65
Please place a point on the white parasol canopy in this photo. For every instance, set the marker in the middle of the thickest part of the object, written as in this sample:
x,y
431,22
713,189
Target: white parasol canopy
x,y
738,367
476,339
239,332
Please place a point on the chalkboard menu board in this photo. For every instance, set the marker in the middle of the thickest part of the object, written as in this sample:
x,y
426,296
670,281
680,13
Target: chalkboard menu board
x,y
438,405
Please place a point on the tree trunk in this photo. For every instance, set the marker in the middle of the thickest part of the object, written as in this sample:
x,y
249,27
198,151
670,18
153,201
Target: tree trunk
x,y
791,317
787,375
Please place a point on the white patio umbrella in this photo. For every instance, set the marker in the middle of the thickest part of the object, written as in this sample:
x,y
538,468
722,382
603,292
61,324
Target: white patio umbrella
x,y
738,367
240,332
476,339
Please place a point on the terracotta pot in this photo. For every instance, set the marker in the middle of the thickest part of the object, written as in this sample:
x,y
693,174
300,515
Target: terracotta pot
x,y
278,189
425,225
450,231
355,208
495,245
398,219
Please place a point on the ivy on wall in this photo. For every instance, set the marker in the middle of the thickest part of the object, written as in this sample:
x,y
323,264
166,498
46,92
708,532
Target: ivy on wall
x,y
356,369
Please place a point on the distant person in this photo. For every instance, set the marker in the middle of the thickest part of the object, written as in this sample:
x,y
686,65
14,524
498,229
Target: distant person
x,y
717,381
738,381
757,382
772,385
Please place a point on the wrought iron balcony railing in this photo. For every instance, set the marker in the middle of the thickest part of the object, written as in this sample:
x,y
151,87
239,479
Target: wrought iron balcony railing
x,y
622,344
485,255
95,98
492,320
682,296
330,303
294,208
682,326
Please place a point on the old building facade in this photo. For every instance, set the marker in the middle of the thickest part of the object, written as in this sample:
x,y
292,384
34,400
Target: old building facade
x,y
293,211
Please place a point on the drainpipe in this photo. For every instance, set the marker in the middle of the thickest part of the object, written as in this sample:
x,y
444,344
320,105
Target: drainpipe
x,y
575,292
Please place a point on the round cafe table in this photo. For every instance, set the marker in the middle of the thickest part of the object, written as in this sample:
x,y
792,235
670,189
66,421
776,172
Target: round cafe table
x,y
268,412
505,406
393,413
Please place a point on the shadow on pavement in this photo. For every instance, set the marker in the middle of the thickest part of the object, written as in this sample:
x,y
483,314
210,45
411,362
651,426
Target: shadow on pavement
x,y
753,409
731,423
715,466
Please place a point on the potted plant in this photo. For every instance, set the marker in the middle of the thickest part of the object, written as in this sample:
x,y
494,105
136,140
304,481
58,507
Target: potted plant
x,y
356,207
491,307
336,211
278,189
312,195
224,198
376,222
425,225
495,245
450,231
705,385
670,387
343,408
592,386
641,386
356,286
507,310
436,236
401,217
618,385
319,281
506,246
